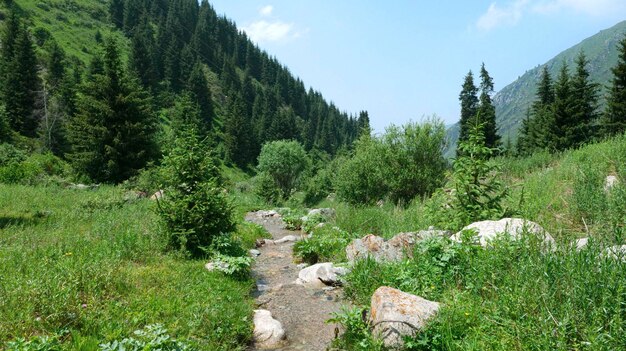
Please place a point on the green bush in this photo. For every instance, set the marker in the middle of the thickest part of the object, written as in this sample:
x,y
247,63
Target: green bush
x,y
265,187
402,164
35,169
10,154
326,244
152,337
194,208
283,162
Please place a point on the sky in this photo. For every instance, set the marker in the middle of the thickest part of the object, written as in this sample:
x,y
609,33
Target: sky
x,y
404,60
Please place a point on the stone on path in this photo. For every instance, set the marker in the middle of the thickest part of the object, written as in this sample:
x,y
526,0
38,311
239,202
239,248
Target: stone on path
x,y
320,275
286,239
268,332
513,227
254,252
395,314
393,249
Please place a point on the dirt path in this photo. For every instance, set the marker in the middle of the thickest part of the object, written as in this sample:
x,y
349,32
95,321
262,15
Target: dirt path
x,y
302,311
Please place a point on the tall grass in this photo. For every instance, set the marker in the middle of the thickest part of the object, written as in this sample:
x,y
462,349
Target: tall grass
x,y
90,266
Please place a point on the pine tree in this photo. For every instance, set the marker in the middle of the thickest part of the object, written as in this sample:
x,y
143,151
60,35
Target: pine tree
x,y
198,86
561,128
238,135
584,99
614,121
363,123
21,80
535,133
469,105
112,134
141,59
116,13
487,111
55,65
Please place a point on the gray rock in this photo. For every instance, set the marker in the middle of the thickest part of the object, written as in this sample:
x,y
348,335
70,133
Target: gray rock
x,y
324,212
514,227
394,249
157,196
254,252
268,332
216,266
395,314
264,214
320,275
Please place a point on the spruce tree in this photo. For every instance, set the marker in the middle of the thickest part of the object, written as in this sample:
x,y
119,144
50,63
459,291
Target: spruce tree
x,y
469,105
238,135
561,128
198,86
487,111
116,13
538,124
584,99
112,134
614,121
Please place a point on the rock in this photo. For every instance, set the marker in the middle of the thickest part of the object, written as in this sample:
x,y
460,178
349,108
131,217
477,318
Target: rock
x,y
395,314
302,265
254,252
259,242
617,252
324,212
157,196
610,182
514,227
581,243
265,214
394,249
320,275
380,203
216,266
83,186
268,332
286,239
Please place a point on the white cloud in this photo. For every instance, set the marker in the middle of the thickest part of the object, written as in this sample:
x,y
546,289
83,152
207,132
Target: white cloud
x,y
266,10
262,30
497,16
511,13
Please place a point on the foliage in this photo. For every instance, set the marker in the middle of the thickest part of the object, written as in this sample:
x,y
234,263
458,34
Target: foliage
x,y
356,334
284,161
39,343
327,244
404,163
151,337
112,135
322,184
614,121
265,187
36,169
194,208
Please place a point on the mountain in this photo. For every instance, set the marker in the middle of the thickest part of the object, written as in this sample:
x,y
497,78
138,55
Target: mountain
x,y
179,47
513,100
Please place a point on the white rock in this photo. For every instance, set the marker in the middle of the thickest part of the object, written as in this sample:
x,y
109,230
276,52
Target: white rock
x,y
610,182
514,227
324,212
268,332
157,196
216,266
320,275
286,239
254,252
394,314
581,243
617,252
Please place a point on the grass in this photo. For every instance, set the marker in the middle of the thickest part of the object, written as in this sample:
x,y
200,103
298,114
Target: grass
x,y
89,266
514,296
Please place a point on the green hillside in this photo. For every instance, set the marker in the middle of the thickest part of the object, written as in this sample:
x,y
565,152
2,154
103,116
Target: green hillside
x,y
513,100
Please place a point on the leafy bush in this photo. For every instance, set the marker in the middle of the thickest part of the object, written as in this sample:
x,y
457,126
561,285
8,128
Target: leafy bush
x,y
326,244
284,162
266,188
10,154
404,163
39,343
152,337
35,169
356,334
194,208
322,184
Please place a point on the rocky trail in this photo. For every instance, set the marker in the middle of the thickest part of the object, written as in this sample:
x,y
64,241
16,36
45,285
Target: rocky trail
x,y
302,310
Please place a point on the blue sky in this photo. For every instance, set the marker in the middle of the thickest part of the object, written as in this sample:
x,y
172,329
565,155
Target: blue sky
x,y
402,60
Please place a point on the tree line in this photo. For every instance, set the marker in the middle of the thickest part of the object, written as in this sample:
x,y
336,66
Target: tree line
x,y
105,118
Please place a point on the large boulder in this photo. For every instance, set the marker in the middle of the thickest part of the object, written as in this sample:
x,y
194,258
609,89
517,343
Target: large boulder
x,y
514,227
395,314
320,275
268,332
393,249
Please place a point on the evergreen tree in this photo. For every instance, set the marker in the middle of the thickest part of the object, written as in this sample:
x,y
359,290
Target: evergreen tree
x,y
535,133
614,121
141,60
238,135
584,99
363,123
487,111
55,65
198,86
112,134
469,105
116,13
5,129
21,80
561,128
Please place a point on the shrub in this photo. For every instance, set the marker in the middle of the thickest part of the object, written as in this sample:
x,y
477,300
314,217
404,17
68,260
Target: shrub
x,y
326,244
194,208
404,163
265,187
36,169
284,162
152,337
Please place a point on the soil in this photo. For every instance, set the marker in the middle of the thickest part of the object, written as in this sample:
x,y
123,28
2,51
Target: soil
x,y
303,311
